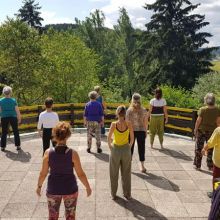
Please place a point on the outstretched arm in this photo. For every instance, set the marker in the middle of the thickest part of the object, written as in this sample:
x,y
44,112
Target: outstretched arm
x,y
131,133
43,172
110,133
18,114
80,173
149,112
197,124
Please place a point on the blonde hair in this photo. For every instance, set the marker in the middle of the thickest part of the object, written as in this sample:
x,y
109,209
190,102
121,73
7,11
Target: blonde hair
x,y
61,131
136,98
97,89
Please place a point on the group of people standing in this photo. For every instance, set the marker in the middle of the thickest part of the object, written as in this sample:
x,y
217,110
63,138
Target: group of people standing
x,y
131,125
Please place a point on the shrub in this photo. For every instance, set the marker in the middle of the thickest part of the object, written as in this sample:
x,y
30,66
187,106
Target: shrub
x,y
179,97
207,83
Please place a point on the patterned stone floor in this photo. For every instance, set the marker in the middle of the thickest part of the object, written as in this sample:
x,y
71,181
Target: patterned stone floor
x,y
171,189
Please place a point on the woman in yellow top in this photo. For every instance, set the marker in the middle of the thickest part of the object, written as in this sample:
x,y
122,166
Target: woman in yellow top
x,y
214,142
120,157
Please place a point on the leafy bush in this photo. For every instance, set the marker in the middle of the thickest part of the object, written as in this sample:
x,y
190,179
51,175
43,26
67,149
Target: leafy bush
x,y
179,97
207,83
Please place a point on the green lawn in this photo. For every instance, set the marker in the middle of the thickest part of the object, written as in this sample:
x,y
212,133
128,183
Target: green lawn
x,y
216,66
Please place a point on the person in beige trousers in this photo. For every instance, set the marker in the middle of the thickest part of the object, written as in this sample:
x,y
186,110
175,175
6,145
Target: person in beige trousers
x,y
120,156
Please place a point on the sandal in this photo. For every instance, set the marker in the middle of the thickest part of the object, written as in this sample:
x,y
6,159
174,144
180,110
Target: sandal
x,y
143,170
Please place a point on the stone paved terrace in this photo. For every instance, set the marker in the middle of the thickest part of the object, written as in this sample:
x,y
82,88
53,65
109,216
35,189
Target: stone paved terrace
x,y
171,189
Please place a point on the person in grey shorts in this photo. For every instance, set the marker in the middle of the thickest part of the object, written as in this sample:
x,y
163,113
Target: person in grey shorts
x,y
120,157
93,120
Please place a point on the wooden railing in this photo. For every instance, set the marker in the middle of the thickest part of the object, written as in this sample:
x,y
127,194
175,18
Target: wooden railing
x,y
181,120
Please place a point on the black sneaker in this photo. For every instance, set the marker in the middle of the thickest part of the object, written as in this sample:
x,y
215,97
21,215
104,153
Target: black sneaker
x,y
18,148
88,150
99,150
2,148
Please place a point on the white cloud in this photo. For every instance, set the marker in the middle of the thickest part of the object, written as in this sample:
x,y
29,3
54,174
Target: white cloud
x,y
108,23
138,15
50,17
114,5
141,19
211,8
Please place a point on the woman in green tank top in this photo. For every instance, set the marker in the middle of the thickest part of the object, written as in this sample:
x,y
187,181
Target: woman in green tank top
x,y
208,119
120,156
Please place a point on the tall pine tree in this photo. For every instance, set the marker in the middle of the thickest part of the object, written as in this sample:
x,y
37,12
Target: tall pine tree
x,y
125,33
29,13
170,48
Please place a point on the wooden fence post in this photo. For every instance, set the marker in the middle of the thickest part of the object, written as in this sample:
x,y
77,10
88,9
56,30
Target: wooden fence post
x,y
72,114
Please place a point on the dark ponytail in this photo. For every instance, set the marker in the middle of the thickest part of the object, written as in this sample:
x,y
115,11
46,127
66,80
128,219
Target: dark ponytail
x,y
158,93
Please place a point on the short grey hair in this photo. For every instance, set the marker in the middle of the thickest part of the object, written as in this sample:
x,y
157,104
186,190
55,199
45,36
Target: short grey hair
x,y
209,99
93,95
7,90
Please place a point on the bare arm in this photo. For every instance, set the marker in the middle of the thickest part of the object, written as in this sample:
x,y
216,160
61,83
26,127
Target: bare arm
x,y
212,142
104,104
131,133
146,122
43,172
218,121
111,130
102,121
80,173
39,125
149,112
85,117
165,113
18,114
198,122
85,121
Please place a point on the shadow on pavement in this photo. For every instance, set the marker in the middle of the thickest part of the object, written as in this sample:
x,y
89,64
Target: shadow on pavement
x,y
19,156
206,172
158,181
139,210
103,156
175,154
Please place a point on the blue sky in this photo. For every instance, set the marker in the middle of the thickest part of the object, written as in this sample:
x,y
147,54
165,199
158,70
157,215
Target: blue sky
x,y
64,11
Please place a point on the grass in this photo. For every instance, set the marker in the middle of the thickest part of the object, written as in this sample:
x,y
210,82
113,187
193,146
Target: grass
x,y
216,66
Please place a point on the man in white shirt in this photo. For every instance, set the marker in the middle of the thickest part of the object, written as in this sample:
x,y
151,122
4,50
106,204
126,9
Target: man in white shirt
x,y
47,121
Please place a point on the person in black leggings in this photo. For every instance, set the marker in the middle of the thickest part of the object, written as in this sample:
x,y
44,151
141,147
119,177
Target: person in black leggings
x,y
137,115
48,119
10,115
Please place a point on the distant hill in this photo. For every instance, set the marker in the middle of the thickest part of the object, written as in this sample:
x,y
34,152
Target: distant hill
x,y
216,54
61,27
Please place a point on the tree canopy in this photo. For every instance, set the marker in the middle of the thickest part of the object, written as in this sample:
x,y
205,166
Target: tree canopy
x,y
29,12
170,48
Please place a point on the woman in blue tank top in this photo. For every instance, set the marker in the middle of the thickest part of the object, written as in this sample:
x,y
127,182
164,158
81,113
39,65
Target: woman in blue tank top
x,y
62,182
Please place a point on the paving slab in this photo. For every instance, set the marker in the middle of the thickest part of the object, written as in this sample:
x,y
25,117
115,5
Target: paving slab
x,y
170,190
